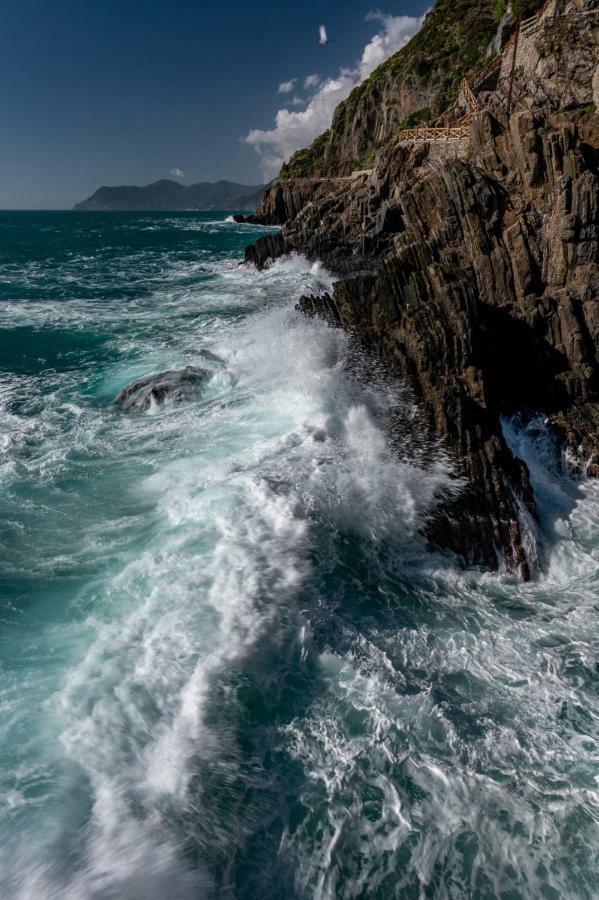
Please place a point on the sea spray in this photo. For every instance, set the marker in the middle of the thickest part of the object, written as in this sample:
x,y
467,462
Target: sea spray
x,y
231,666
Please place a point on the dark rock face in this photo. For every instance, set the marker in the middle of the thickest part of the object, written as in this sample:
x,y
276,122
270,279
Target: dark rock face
x,y
472,272
153,390
267,249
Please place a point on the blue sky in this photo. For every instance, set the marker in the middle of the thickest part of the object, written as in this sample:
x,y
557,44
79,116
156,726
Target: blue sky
x,y
125,92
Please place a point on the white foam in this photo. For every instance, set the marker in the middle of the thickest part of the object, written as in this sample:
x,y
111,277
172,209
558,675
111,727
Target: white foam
x,y
492,750
431,747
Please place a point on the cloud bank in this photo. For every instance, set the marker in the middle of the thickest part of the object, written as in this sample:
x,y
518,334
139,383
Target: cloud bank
x,y
293,128
177,173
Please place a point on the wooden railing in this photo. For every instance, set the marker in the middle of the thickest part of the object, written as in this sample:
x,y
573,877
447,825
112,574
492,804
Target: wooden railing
x,y
487,70
462,127
528,24
324,179
423,135
468,119
470,97
493,64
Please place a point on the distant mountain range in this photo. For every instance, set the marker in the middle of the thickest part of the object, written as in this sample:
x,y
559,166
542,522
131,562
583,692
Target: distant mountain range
x,y
170,195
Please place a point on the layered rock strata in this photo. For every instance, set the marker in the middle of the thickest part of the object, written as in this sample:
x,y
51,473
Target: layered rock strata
x,y
471,269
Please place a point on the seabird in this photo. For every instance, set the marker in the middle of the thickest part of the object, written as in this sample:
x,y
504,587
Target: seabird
x,y
322,36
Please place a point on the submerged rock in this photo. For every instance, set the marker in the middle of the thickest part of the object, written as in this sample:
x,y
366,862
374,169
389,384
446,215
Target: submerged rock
x,y
206,356
153,390
211,357
247,220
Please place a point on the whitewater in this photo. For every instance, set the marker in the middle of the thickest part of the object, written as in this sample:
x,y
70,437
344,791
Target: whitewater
x,y
230,666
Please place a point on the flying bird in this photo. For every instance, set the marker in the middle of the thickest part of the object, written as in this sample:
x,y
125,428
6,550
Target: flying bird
x,y
322,36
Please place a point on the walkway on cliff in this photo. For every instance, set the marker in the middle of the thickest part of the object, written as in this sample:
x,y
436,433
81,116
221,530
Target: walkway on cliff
x,y
326,179
461,130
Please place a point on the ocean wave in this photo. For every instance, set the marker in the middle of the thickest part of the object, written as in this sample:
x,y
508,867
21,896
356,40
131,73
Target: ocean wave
x,y
239,669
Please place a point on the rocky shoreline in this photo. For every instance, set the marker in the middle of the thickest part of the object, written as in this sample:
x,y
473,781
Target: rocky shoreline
x,y
470,268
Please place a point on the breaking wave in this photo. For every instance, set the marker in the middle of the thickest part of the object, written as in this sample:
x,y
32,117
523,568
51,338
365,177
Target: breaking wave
x,y
231,667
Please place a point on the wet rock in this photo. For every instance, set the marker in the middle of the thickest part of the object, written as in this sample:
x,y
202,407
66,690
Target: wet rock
x,y
211,357
266,249
248,220
207,355
473,276
153,390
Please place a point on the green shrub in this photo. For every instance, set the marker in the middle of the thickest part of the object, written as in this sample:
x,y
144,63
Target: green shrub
x,y
420,117
523,9
587,109
367,162
305,163
500,8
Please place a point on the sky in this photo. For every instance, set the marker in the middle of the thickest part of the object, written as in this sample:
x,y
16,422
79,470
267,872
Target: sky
x,y
130,91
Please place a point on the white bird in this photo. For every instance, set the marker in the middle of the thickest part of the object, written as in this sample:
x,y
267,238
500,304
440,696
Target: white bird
x,y
322,39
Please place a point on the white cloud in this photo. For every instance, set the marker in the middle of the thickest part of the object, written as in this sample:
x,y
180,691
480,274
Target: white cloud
x,y
397,31
287,86
298,101
294,129
311,81
177,173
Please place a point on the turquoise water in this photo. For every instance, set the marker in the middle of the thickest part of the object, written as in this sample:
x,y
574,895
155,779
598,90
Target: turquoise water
x,y
229,666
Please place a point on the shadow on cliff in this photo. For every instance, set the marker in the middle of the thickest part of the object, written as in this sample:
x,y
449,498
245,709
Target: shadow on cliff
x,y
524,367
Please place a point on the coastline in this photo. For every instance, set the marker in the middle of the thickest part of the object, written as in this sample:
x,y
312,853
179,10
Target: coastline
x,y
470,270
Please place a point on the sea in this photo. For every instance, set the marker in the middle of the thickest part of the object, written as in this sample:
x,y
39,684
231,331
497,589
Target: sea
x,y
230,665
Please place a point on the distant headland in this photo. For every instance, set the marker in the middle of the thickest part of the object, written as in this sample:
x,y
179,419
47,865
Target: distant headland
x,y
170,195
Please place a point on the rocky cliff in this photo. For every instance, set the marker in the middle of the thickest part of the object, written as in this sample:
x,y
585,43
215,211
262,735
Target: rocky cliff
x,y
413,86
470,267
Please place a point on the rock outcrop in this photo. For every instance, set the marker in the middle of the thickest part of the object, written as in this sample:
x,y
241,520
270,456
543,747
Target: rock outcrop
x,y
154,390
470,268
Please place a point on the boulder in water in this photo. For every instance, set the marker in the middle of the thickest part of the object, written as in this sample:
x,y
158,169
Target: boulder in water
x,y
176,386
211,357
207,356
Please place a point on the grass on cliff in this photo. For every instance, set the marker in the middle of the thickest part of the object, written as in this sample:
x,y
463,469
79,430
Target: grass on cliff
x,y
412,120
451,45
521,9
306,162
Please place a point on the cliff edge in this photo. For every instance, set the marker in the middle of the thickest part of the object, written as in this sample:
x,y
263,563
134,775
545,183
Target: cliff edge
x,y
467,254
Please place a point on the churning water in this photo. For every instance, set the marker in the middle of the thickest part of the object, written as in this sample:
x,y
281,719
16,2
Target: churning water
x,y
229,666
